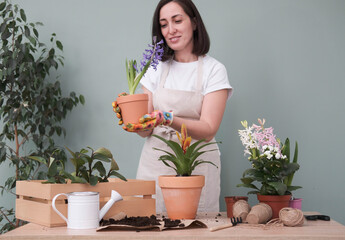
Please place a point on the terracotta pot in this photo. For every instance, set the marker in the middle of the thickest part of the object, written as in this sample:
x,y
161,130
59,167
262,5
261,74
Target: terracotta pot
x,y
133,107
296,203
276,202
181,195
230,200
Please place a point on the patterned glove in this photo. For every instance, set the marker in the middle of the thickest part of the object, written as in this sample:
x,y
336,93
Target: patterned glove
x,y
117,109
150,121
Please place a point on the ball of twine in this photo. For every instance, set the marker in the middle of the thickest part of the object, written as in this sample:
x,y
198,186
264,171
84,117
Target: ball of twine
x,y
291,217
241,209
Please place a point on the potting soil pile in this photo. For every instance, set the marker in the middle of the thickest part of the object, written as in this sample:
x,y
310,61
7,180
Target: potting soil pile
x,y
147,223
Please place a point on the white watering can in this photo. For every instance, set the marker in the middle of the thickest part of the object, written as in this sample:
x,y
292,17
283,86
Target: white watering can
x,y
83,209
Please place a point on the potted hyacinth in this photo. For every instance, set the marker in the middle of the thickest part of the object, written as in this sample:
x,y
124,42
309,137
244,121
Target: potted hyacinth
x,y
132,105
271,165
181,192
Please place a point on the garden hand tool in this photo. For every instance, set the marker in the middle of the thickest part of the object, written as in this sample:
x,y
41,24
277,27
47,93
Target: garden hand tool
x,y
150,121
234,222
117,109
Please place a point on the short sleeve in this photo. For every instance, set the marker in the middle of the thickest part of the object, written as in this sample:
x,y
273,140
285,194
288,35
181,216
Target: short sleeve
x,y
217,79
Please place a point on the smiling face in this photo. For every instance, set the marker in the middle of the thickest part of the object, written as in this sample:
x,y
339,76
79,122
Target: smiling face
x,y
177,29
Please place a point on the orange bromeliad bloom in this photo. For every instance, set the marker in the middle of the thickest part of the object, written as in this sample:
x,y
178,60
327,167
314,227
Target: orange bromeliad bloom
x,y
184,139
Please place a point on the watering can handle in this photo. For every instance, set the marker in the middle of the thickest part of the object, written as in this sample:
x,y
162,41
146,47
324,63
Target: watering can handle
x,y
57,211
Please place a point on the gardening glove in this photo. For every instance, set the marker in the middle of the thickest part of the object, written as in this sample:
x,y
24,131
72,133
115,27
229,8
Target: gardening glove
x,y
150,121
117,109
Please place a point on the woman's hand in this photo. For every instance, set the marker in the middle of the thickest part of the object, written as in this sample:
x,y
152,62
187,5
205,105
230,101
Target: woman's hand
x,y
150,121
117,109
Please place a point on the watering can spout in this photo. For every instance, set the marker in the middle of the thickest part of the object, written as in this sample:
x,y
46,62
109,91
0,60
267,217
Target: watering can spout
x,y
115,196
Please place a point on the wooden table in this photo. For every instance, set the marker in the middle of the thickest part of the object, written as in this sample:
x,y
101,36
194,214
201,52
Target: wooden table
x,y
310,230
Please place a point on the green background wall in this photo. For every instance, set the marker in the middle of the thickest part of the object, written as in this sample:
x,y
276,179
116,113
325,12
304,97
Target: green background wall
x,y
285,60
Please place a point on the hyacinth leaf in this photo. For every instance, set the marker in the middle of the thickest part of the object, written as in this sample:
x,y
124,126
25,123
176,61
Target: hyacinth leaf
x,y
137,79
279,187
127,73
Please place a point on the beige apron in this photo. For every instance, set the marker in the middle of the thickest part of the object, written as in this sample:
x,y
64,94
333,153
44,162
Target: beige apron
x,y
185,104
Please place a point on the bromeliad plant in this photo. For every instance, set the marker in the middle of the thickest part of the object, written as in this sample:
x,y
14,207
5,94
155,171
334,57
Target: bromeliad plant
x,y
270,160
185,156
151,57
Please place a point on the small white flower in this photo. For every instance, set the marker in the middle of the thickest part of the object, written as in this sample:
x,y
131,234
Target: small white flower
x,y
270,148
283,157
278,155
276,149
269,156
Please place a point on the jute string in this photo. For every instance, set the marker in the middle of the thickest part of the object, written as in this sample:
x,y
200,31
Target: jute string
x,y
290,217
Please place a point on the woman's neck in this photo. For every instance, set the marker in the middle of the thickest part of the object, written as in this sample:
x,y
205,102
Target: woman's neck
x,y
182,57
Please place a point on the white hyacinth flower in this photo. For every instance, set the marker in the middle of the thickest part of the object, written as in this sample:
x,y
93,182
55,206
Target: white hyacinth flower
x,y
277,155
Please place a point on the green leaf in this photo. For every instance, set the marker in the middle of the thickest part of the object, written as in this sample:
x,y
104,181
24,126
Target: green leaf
x,y
116,174
247,185
22,15
93,180
38,159
100,168
247,180
293,188
52,171
59,45
82,99
104,151
101,157
2,6
279,187
114,165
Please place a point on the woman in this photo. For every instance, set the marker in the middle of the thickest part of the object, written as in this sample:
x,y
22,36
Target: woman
x,y
191,85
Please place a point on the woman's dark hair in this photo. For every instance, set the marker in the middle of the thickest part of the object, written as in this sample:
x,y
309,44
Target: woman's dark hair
x,y
200,36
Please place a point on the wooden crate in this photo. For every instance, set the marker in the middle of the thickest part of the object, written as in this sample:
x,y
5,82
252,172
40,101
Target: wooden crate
x,y
34,199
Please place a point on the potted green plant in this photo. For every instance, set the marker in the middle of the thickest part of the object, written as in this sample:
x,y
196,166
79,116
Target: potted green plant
x,y
86,169
181,192
270,166
132,106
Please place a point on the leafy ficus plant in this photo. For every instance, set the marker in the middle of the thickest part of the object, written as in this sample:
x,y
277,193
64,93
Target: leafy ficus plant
x,y
31,102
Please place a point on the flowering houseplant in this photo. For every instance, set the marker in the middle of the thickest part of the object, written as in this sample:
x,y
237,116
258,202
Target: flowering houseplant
x,y
270,161
184,156
151,57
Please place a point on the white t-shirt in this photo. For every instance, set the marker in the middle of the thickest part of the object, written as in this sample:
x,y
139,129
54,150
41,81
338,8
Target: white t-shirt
x,y
183,76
